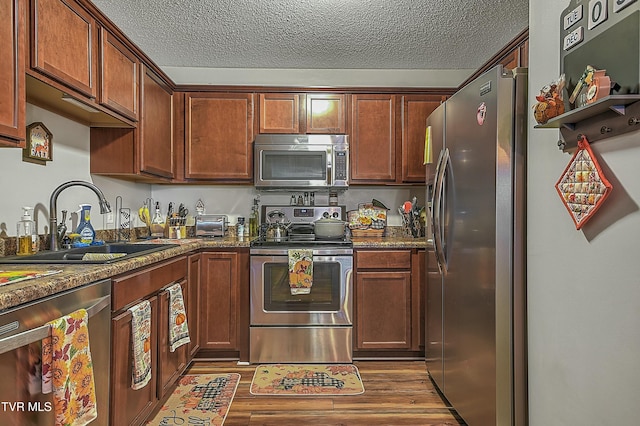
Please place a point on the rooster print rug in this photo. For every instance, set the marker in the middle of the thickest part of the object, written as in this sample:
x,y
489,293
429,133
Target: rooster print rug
x,y
307,379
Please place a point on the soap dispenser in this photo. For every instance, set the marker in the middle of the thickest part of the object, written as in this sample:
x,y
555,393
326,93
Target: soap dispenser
x,y
27,235
85,229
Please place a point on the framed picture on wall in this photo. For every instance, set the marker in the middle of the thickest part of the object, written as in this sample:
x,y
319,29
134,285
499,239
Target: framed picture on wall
x,y
39,146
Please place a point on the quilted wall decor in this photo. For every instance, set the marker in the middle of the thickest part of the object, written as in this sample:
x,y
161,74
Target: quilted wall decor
x,y
582,186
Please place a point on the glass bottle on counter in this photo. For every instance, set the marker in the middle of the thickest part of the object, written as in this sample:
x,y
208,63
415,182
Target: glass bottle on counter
x,y
157,223
253,220
27,236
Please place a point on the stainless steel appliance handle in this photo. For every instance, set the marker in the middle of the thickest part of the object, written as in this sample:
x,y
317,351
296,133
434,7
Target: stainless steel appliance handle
x,y
437,209
35,334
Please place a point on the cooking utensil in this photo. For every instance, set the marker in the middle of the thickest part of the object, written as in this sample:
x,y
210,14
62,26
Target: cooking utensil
x,y
329,228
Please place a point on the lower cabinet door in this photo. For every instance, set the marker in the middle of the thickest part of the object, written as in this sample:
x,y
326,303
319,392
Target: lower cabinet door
x,y
383,310
128,406
170,364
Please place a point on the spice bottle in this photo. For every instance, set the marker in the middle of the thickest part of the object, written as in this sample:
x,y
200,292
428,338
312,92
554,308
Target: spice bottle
x,y
240,227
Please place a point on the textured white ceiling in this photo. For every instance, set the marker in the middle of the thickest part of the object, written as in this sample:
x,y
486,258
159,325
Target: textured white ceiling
x,y
319,34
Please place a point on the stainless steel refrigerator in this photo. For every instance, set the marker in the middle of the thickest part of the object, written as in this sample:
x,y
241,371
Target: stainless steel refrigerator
x,y
476,331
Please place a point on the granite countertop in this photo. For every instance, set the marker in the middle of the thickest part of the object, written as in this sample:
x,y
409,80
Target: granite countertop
x,y
76,275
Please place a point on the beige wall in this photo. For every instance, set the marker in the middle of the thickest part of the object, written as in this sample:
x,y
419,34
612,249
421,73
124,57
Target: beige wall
x,y
583,286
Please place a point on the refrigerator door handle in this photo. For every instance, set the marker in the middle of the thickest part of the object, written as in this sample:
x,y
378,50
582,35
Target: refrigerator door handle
x,y
438,225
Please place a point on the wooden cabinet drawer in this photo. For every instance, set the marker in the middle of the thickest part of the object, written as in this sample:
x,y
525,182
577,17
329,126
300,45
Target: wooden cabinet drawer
x,y
383,259
129,288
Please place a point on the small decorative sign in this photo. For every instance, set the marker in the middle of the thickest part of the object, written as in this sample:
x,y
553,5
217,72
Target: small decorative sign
x,y
39,146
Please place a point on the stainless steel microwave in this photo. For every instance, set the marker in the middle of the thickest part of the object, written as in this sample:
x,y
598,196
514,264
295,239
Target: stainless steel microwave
x,y
301,161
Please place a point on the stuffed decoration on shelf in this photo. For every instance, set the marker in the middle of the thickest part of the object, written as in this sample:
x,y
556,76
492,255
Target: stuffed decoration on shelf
x,y
550,103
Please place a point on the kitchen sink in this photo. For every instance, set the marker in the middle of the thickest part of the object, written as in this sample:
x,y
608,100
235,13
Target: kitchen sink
x,y
107,253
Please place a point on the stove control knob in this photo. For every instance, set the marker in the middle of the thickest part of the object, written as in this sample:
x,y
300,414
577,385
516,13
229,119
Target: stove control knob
x,y
335,215
325,215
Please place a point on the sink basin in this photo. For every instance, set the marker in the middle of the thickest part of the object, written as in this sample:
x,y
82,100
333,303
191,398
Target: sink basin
x,y
107,253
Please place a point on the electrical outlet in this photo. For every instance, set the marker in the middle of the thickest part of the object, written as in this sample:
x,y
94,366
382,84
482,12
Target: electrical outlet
x,y
110,218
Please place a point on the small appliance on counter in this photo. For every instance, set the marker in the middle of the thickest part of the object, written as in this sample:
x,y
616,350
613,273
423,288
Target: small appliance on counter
x,y
211,225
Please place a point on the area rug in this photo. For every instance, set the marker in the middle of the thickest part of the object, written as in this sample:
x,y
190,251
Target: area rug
x,y
307,379
202,399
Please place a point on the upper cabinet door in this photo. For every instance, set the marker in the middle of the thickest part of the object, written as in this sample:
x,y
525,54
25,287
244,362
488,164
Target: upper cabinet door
x,y
415,110
373,138
64,44
326,113
120,70
279,113
219,134
12,83
156,126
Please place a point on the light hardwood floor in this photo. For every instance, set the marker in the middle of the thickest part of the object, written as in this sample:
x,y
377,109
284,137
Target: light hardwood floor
x,y
396,393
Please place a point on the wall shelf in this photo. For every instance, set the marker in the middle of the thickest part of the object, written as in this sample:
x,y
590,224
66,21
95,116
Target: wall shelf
x,y
610,116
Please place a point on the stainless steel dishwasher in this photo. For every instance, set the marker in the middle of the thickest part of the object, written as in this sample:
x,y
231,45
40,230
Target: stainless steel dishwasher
x,y
21,331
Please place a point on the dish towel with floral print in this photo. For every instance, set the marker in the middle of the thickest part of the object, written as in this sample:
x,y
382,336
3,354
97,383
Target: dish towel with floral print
x,y
300,270
67,370
141,344
178,329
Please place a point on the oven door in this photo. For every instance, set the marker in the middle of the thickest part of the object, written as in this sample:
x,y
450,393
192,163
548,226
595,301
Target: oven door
x,y
329,302
293,166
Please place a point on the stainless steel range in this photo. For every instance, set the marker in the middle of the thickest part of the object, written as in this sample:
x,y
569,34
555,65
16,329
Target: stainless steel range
x,y
290,327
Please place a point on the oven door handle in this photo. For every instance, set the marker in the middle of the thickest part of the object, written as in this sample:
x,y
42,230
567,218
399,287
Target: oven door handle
x,y
35,334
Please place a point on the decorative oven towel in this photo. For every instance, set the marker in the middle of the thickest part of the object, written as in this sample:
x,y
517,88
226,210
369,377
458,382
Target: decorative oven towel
x,y
67,370
141,344
582,186
300,270
178,329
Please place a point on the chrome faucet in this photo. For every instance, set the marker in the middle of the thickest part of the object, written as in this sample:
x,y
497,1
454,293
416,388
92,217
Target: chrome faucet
x,y
53,207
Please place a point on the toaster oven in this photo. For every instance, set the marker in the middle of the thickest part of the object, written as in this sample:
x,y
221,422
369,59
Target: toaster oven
x,y
211,225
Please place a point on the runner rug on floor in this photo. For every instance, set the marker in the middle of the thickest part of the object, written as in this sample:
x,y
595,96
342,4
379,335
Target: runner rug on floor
x,y
202,399
307,379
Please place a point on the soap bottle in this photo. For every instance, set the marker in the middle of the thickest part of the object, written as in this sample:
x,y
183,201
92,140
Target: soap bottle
x,y
85,229
27,236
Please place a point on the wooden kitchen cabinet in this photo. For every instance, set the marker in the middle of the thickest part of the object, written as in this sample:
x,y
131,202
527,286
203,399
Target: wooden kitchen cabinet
x,y
279,112
193,304
373,144
119,76
415,110
146,151
389,282
64,44
156,126
219,134
170,364
326,113
387,137
128,406
12,68
300,113
219,300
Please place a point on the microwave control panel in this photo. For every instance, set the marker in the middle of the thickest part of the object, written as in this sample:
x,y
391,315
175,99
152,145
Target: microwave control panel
x,y
341,165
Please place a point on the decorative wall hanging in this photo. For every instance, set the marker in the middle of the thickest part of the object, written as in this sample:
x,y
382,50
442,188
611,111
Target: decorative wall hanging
x,y
582,186
550,103
39,146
